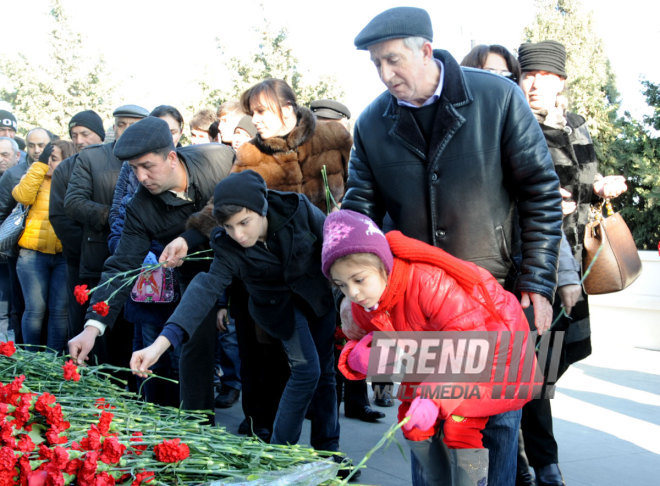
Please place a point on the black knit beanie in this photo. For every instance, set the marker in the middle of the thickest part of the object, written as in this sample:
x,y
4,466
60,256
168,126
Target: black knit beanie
x,y
547,55
246,189
88,119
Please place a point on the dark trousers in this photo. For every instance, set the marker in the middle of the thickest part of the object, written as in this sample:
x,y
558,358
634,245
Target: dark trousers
x,y
353,392
264,368
536,423
196,367
76,311
16,303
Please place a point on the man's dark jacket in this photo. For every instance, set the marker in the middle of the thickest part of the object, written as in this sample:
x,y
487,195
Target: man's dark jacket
x,y
87,201
283,273
162,217
67,229
8,181
486,159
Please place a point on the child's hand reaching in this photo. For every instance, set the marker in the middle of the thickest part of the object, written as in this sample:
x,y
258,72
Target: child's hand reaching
x,y
423,413
358,360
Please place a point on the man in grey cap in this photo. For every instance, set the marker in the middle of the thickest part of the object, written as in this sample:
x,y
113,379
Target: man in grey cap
x,y
175,183
331,110
87,200
454,157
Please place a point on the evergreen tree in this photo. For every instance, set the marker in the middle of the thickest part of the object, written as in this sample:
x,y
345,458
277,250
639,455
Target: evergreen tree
x,y
273,57
636,153
70,81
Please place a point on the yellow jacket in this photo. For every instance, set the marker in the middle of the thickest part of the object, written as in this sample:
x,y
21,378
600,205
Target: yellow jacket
x,y
34,190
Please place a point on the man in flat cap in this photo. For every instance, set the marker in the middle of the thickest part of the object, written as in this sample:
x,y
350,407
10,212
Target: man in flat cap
x,y
85,129
175,183
87,200
331,110
452,155
543,66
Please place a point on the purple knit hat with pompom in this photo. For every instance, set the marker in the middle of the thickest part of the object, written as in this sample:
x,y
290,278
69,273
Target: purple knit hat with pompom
x,y
346,232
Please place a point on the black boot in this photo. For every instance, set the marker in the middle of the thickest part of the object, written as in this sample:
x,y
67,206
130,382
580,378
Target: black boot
x,y
365,413
549,475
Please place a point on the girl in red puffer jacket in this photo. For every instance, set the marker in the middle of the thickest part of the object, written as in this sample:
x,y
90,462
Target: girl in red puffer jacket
x,y
396,283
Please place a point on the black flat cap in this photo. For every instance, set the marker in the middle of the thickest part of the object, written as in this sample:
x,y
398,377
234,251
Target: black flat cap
x,y
547,55
131,111
148,135
396,23
330,109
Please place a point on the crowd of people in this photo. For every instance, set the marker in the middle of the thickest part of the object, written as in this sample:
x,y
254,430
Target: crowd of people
x,y
477,172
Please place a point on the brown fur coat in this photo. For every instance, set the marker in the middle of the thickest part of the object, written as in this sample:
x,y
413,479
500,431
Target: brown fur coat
x,y
294,162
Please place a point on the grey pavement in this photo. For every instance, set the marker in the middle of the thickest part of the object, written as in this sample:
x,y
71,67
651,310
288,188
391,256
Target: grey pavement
x,y
606,418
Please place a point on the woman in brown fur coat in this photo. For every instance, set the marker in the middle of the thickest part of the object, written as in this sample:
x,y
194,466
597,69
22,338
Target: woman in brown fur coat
x,y
290,148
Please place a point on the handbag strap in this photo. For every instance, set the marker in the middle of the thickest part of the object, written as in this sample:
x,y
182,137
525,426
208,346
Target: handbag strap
x,y
597,211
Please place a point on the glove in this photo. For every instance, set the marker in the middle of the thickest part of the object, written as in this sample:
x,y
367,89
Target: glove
x,y
358,360
463,432
423,413
150,259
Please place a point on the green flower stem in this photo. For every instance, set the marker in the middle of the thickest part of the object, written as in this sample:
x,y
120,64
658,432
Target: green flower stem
x,y
387,438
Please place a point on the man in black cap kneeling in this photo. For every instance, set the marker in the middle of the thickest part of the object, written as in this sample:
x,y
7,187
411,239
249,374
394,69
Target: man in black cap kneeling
x,y
174,184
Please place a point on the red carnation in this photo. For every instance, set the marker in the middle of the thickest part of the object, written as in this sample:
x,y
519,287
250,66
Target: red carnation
x,y
93,440
101,308
171,451
7,348
112,450
101,404
143,477
88,470
25,444
71,371
104,479
81,293
7,458
104,422
137,438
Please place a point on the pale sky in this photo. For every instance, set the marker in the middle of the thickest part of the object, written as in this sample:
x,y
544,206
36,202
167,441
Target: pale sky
x,y
158,49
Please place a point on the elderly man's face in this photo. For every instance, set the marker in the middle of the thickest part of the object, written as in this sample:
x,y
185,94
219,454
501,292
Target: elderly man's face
x,y
35,143
8,158
401,69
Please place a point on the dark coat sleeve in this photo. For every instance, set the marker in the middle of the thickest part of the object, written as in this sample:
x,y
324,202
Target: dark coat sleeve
x,y
124,190
203,292
78,203
528,164
68,230
7,201
361,190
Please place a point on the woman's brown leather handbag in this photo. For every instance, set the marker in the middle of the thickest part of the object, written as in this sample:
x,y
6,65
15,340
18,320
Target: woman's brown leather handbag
x,y
611,262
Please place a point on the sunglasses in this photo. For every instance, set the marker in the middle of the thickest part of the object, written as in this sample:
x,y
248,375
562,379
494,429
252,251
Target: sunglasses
x,y
506,74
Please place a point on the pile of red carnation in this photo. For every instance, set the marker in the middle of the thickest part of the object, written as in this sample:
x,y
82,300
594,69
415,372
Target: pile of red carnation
x,y
35,450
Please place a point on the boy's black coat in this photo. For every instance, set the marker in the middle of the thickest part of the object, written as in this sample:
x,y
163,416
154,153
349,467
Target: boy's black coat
x,y
284,272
